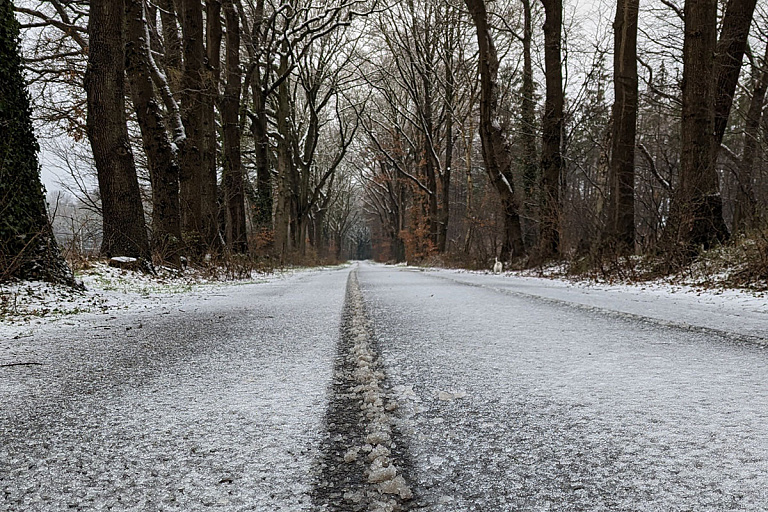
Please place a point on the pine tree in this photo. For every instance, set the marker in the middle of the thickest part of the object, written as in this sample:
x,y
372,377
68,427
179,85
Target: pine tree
x,y
28,249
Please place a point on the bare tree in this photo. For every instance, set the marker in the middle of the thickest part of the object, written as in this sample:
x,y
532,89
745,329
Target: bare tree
x,y
621,210
193,111
123,213
161,154
552,131
698,210
234,197
496,152
745,207
729,54
529,158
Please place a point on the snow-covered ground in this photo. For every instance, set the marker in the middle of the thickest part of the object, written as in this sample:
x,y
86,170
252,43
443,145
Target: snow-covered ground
x,y
25,307
743,313
526,394
505,393
207,398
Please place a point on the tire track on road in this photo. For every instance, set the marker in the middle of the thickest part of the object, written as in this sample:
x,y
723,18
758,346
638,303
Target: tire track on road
x,y
365,462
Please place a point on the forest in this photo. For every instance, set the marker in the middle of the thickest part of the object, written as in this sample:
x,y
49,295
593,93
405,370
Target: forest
x,y
446,132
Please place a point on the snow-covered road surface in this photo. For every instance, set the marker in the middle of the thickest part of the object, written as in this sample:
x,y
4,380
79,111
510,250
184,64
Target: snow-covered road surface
x,y
732,312
216,405
514,403
482,392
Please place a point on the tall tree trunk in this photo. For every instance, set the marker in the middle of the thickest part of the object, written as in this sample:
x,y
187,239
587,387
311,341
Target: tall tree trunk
x,y
259,129
319,238
210,97
172,59
496,151
191,163
262,216
697,217
430,164
552,131
230,109
729,54
163,168
445,176
528,132
285,185
28,248
745,207
621,209
124,228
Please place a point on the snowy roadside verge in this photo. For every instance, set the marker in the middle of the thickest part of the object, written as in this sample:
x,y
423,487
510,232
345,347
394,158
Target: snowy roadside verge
x,y
27,306
737,313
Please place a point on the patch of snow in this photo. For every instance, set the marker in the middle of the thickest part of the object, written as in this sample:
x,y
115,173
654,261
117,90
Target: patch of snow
x,y
447,396
124,259
743,313
27,306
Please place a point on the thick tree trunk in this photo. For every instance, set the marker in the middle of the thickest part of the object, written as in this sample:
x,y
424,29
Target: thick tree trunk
x,y
262,215
697,216
28,248
729,54
124,229
621,173
230,108
528,132
745,207
210,97
163,168
286,173
496,151
318,239
191,163
552,131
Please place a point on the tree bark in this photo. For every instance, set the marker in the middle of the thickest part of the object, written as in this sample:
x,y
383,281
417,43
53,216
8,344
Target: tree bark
x,y
745,207
124,230
552,131
430,163
285,182
697,216
496,151
621,173
230,108
262,207
163,167
191,163
528,131
262,215
444,210
729,54
210,98
172,59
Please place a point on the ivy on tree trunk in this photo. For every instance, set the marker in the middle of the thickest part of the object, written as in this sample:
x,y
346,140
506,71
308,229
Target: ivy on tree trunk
x,y
28,248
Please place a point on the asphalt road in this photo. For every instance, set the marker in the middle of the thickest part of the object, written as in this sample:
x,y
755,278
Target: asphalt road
x,y
381,388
